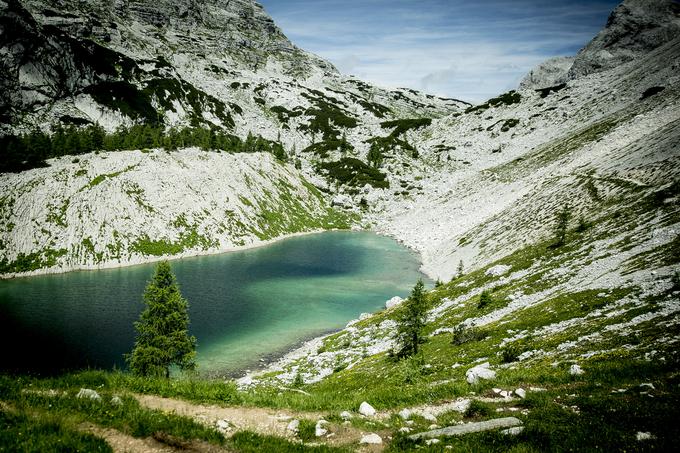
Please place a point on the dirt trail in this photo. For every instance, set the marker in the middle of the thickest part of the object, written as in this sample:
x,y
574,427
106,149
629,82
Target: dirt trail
x,y
123,443
272,422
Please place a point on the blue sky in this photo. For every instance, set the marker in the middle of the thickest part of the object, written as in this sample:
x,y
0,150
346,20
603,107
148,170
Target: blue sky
x,y
467,49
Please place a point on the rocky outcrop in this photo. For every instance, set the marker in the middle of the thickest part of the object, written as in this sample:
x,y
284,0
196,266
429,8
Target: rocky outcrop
x,y
633,29
549,73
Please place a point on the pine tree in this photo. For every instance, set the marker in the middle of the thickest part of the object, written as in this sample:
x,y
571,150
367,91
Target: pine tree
x,y
163,338
412,321
561,226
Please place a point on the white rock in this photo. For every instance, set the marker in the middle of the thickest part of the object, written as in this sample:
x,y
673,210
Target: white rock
x,y
393,302
513,431
404,429
576,370
116,401
432,441
538,389
293,426
319,430
222,425
648,384
245,381
644,435
343,200
345,415
371,438
364,316
497,271
429,416
405,414
366,409
521,393
89,393
474,374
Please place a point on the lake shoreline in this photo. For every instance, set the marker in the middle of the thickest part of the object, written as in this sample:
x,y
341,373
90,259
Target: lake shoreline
x,y
156,259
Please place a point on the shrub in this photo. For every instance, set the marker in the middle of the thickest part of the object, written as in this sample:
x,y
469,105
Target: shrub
x,y
307,430
462,335
511,353
484,299
479,409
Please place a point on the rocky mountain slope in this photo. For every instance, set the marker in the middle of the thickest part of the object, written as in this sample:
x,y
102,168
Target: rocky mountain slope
x,y
217,65
573,331
486,193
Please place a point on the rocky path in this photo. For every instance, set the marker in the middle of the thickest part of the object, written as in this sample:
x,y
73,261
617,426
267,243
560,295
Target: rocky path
x,y
272,422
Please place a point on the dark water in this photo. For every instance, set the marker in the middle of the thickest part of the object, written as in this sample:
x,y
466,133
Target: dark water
x,y
243,305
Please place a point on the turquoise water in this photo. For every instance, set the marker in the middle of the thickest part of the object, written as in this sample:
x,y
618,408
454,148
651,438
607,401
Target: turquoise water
x,y
244,305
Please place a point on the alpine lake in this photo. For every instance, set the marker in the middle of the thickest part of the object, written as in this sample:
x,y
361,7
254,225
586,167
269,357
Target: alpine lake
x,y
245,307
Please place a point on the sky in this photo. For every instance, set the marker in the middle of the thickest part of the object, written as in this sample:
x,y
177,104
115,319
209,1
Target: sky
x,y
465,49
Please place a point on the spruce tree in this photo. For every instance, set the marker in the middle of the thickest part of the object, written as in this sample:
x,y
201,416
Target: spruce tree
x,y
163,338
412,321
561,226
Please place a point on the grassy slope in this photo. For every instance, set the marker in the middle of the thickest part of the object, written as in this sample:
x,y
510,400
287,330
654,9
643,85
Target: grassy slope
x,y
602,409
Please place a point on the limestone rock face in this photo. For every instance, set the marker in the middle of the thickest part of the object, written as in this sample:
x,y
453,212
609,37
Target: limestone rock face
x,y
633,29
549,73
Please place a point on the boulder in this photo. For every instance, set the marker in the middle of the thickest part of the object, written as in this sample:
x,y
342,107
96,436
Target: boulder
x,y
366,409
89,394
222,425
474,374
116,401
345,415
513,431
371,438
459,430
319,430
521,393
343,201
576,370
293,426
405,414
497,271
393,302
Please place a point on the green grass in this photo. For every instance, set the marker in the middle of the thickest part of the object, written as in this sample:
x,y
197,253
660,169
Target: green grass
x,y
28,397
41,433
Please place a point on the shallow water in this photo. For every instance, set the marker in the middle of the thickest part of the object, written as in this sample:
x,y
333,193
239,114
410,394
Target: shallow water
x,y
244,305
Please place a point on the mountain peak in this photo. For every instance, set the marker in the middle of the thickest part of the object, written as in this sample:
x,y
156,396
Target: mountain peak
x,y
634,28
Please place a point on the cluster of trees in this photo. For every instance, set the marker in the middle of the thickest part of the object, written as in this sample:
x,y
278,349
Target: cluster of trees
x,y
22,152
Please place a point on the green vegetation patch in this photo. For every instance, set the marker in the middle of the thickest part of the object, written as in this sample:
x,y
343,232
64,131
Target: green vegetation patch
x,y
326,116
509,98
404,125
283,114
103,177
32,261
354,172
322,149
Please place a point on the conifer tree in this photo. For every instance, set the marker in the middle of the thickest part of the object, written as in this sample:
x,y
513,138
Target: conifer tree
x,y
163,338
561,226
412,321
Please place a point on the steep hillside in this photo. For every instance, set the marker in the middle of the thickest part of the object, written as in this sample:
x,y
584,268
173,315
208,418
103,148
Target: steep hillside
x,y
213,64
128,207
